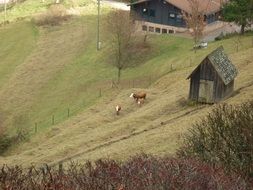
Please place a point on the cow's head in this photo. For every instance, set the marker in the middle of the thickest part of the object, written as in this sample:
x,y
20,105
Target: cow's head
x,y
117,108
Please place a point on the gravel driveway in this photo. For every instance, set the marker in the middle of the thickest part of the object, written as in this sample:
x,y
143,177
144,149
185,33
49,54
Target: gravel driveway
x,y
116,5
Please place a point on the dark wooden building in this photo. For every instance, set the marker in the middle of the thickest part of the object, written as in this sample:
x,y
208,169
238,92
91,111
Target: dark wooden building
x,y
213,79
169,12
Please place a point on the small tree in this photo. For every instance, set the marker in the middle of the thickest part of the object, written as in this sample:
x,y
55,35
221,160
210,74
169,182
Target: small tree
x,y
240,12
21,123
195,21
237,42
121,30
5,10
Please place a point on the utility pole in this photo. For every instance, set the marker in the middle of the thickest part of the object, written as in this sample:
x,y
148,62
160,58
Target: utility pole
x,y
98,27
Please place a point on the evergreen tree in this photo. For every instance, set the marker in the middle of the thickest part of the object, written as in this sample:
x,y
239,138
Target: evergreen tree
x,y
240,12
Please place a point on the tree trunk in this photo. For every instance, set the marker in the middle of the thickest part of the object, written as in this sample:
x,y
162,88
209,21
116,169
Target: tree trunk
x,y
119,75
243,29
5,8
195,46
145,38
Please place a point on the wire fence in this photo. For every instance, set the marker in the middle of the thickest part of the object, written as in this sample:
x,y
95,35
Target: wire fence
x,y
96,91
93,93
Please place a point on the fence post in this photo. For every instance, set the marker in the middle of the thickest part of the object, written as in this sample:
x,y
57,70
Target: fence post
x,y
68,112
60,168
53,120
112,84
35,127
100,92
133,83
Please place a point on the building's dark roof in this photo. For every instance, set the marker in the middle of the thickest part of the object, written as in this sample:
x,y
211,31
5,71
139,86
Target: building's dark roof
x,y
137,2
205,6
222,65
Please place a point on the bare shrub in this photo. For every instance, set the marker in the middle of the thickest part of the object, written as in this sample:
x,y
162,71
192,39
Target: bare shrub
x,y
21,133
21,123
55,15
224,137
5,142
195,21
139,173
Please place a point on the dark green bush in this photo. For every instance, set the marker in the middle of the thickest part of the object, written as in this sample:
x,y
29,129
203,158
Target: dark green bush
x,y
224,137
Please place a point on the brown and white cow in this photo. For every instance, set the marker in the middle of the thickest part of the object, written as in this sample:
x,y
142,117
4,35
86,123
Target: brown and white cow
x,y
137,96
140,101
117,108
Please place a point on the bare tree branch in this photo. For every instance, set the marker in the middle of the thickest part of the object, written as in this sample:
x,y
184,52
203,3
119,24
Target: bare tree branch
x,y
122,32
195,20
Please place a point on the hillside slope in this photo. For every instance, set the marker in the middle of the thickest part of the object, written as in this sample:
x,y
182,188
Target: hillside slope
x,y
98,132
53,70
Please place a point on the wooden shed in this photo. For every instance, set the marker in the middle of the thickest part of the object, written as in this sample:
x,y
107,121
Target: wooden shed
x,y
213,79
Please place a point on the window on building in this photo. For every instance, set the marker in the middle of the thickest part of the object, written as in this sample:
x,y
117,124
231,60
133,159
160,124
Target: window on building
x,y
151,29
179,18
157,30
144,28
171,31
145,11
164,31
205,18
152,12
172,15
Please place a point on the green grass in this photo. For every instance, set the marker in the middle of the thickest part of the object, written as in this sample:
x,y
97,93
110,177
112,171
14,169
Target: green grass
x,y
65,71
60,69
28,8
25,9
17,42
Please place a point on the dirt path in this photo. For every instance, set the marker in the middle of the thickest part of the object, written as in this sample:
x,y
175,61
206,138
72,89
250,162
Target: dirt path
x,y
116,4
169,121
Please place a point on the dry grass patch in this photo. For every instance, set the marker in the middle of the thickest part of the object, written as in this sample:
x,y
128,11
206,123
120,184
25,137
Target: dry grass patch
x,y
55,15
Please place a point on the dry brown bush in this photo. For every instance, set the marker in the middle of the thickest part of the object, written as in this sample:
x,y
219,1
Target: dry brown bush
x,y
55,15
142,172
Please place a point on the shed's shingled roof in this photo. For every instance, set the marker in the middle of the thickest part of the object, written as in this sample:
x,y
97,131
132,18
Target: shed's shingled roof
x,y
222,65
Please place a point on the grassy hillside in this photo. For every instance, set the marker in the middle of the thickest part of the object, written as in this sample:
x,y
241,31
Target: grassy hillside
x,y
27,8
60,69
17,42
98,132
